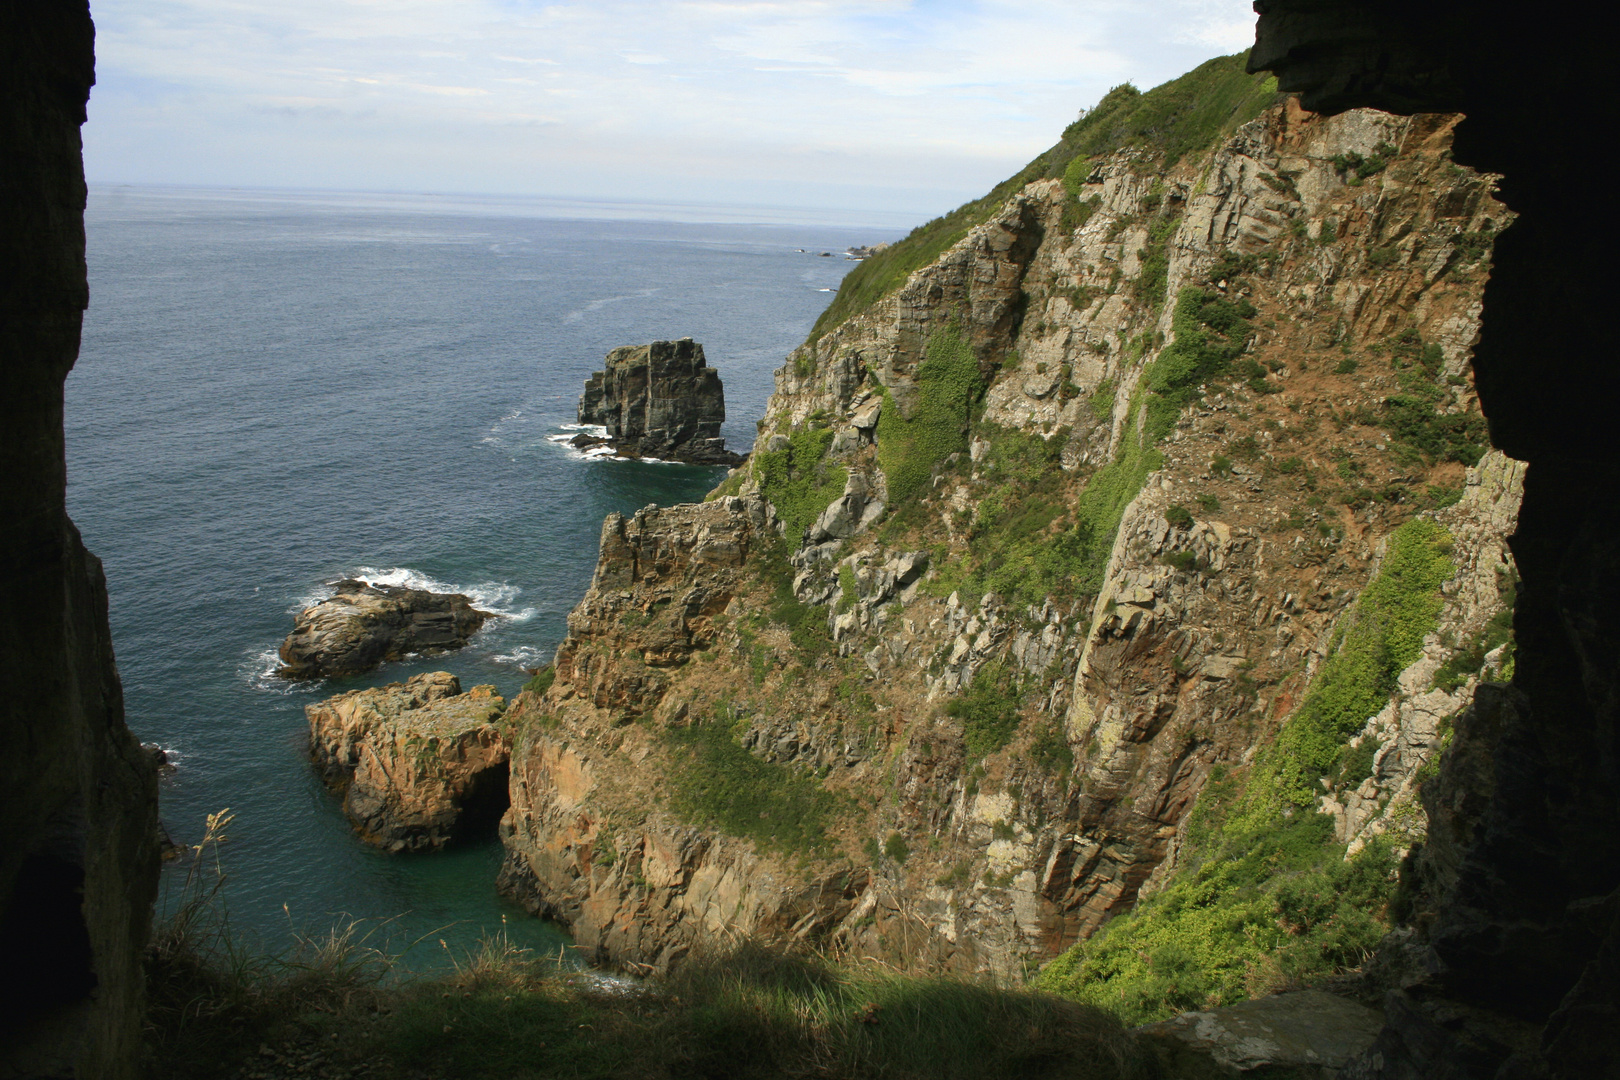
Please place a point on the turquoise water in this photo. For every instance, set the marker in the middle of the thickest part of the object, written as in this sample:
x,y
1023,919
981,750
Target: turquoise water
x,y
276,393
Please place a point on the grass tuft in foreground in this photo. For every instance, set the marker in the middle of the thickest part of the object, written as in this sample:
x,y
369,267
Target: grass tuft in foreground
x,y
503,1013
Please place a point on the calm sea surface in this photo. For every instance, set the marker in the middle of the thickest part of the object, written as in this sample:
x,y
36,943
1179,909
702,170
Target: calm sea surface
x,y
275,392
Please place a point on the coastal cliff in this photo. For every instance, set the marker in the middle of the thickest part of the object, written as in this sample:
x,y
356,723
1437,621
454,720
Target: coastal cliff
x,y
78,817
1066,515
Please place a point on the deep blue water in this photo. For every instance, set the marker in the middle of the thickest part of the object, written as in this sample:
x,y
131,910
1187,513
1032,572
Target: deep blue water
x,y
274,393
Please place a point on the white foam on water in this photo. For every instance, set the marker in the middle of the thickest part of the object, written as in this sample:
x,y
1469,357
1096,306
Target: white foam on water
x,y
494,597
259,671
526,657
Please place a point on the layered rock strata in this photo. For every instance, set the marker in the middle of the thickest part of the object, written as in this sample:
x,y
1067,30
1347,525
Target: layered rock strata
x,y
865,655
420,764
362,625
659,401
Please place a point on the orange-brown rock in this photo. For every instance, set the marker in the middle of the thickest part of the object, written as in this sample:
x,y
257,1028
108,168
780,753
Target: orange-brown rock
x,y
421,764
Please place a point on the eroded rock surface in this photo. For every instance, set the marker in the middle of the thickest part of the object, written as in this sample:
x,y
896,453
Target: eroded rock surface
x,y
660,401
421,764
363,625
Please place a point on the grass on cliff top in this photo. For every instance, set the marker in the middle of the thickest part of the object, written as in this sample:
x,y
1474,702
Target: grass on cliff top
x,y
1265,898
1180,117
330,1010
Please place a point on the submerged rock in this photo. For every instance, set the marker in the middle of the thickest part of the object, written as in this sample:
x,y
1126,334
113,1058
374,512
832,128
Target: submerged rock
x,y
421,764
661,401
363,625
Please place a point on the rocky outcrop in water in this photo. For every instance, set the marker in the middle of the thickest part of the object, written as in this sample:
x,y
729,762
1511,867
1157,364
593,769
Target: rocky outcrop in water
x,y
421,764
363,625
660,401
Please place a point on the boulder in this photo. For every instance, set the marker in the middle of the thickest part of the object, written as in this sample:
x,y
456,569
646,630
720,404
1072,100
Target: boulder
x,y
1305,1034
420,763
363,625
661,401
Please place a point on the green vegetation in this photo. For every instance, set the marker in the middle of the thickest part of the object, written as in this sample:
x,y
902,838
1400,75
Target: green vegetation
x,y
1051,751
896,848
1154,277
719,784
1378,639
1179,516
988,710
1180,117
542,680
334,1006
799,480
1356,168
1102,400
1265,896
948,385
1210,333
1421,432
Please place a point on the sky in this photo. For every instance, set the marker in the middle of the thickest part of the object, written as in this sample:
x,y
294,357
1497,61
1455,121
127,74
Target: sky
x,y
902,106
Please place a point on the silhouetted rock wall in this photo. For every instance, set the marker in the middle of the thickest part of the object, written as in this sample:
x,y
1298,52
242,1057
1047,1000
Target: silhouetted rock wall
x,y
78,796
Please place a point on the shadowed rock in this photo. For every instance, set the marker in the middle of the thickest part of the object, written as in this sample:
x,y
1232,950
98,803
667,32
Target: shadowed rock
x,y
363,625
660,401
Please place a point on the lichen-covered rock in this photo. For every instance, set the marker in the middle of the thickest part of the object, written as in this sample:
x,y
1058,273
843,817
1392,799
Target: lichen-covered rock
x,y
362,625
660,401
420,763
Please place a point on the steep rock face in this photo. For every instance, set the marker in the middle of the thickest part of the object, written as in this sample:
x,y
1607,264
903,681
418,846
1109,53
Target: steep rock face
x,y
1516,970
362,625
591,836
660,401
79,854
420,763
1038,643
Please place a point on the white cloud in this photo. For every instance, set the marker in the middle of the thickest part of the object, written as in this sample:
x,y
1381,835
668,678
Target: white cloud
x,y
912,102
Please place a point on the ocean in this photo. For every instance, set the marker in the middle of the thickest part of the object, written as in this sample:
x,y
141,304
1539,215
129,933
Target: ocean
x,y
278,390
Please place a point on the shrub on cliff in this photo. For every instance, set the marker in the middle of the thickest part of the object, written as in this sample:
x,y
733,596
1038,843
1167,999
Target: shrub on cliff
x,y
799,480
948,385
1265,897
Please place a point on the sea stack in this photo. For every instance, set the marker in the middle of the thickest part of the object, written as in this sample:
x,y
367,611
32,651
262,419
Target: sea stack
x,y
660,401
